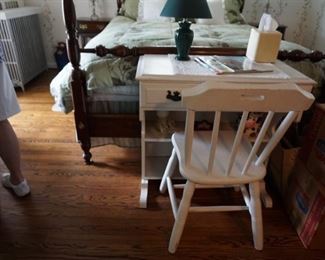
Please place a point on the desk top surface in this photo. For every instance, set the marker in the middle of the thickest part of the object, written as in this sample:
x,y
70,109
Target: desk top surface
x,y
165,67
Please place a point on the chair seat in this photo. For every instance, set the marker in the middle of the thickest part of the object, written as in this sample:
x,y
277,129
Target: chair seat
x,y
196,171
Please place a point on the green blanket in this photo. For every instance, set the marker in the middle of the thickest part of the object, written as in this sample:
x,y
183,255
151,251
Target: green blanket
x,y
104,73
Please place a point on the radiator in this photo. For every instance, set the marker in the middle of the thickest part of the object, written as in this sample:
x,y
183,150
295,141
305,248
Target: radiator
x,y
7,4
21,39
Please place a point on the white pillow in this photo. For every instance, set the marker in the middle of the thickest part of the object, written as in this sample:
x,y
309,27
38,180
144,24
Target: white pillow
x,y
149,10
217,12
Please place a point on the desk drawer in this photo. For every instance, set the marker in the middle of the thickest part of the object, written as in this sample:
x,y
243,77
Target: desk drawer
x,y
162,96
153,97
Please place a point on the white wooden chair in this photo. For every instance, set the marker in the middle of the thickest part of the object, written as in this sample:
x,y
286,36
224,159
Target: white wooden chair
x,y
222,158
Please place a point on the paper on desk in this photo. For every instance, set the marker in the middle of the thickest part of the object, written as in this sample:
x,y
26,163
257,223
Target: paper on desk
x,y
188,67
267,23
192,68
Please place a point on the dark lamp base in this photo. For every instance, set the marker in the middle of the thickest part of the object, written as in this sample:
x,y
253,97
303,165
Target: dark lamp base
x,y
183,39
182,58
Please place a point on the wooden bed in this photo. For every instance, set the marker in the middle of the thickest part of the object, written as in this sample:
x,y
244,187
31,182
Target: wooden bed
x,y
125,125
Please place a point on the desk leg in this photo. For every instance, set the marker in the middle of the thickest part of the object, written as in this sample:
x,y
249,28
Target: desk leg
x,y
265,197
144,193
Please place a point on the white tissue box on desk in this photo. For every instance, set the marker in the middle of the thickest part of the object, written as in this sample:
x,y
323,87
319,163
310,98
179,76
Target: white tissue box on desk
x,y
263,46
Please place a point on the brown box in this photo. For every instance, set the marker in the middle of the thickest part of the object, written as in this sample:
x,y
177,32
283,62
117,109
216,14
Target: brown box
x,y
313,148
281,164
305,204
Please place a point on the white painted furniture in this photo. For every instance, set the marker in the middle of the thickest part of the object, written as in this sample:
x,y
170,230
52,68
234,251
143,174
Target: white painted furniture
x,y
158,77
227,158
21,40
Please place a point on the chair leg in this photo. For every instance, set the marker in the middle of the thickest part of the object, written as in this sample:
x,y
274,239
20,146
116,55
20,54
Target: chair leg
x,y
170,168
256,215
181,216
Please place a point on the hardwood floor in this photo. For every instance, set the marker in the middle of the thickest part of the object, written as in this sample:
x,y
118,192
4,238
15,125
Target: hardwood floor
x,y
91,212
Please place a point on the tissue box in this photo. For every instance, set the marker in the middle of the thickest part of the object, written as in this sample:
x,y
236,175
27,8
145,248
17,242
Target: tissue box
x,y
263,46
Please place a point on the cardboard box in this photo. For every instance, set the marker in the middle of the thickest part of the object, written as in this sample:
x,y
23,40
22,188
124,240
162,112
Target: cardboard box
x,y
263,46
282,161
305,204
313,148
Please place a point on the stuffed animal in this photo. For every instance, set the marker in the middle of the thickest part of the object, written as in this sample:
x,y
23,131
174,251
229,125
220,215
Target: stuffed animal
x,y
61,55
253,124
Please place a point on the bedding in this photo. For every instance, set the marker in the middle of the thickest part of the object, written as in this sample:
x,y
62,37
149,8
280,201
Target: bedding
x,y
217,13
114,78
233,9
130,9
224,12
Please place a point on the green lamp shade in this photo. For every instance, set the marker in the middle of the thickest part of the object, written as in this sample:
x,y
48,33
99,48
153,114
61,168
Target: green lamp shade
x,y
185,9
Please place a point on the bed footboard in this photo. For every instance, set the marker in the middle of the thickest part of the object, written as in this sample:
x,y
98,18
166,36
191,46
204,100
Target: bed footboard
x,y
122,51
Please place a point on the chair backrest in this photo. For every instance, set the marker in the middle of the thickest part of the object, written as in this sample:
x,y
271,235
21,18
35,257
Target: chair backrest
x,y
287,99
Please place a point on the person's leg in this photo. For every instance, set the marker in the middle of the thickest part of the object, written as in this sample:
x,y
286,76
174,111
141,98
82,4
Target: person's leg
x,y
10,152
9,146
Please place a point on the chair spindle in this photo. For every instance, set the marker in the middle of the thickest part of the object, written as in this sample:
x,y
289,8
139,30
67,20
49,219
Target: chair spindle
x,y
276,137
214,139
237,141
258,141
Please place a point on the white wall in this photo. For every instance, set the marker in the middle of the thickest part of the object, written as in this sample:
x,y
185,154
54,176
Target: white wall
x,y
305,19
52,20
318,12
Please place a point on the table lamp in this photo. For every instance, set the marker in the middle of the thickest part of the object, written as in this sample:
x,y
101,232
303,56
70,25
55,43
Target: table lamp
x,y
185,9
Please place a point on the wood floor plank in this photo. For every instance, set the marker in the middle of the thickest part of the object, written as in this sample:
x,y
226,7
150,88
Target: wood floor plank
x,y
86,212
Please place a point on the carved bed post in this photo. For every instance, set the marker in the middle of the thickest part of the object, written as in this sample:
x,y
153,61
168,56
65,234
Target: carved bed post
x,y
298,55
78,83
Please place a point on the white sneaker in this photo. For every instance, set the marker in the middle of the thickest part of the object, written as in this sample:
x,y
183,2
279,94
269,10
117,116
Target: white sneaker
x,y
22,189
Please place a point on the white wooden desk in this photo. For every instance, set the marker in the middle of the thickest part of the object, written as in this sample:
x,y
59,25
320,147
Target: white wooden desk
x,y
159,77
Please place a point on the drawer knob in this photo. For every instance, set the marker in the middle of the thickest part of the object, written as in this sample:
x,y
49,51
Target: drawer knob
x,y
175,96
